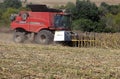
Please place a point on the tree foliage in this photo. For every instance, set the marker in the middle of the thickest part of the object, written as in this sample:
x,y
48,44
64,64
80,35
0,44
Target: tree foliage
x,y
86,16
70,7
106,8
86,9
12,3
7,14
83,25
89,17
112,22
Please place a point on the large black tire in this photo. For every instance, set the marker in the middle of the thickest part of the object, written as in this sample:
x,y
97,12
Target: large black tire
x,y
44,37
19,37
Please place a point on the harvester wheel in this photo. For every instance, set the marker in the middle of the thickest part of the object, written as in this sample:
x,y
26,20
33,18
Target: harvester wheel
x,y
44,37
19,37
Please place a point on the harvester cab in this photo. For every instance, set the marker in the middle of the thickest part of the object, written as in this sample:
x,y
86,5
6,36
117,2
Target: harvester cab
x,y
42,24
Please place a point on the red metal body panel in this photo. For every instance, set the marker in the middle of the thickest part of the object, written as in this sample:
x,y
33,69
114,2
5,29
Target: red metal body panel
x,y
35,21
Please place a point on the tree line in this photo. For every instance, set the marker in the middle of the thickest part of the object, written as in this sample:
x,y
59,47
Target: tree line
x,y
86,15
89,17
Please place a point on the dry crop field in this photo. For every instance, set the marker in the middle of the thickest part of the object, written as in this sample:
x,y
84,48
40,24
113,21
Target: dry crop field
x,y
28,61
104,40
62,2
33,61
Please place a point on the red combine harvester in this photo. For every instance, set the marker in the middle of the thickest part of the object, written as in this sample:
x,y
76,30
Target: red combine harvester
x,y
41,24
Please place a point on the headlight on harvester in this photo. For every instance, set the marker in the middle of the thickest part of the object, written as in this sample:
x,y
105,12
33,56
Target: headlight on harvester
x,y
13,17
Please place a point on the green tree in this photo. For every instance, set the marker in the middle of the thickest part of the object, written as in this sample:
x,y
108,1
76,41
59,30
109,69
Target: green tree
x,y
83,25
86,9
86,16
70,7
7,14
12,3
117,22
112,23
2,9
100,26
106,8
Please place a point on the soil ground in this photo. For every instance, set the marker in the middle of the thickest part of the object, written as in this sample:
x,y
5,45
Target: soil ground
x,y
33,61
5,34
